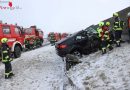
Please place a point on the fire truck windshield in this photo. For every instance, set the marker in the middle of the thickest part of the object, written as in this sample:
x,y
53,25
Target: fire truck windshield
x,y
28,31
6,30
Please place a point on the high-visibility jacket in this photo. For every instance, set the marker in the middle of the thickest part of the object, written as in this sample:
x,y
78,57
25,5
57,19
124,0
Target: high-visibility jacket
x,y
105,35
128,22
99,30
5,52
118,24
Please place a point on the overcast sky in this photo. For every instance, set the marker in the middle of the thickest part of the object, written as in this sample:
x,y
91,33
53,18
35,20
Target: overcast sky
x,y
61,15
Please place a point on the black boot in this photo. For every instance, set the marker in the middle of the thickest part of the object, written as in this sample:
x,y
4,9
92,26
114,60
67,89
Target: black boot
x,y
11,74
7,77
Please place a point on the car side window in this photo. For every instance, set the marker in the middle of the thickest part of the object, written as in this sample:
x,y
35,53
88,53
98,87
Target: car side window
x,y
91,31
6,30
78,37
82,35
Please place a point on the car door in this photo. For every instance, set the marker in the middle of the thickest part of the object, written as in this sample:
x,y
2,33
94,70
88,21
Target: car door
x,y
93,38
82,41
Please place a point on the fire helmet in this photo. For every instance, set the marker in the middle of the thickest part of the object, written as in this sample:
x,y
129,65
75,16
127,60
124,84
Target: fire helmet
x,y
101,24
4,40
115,14
108,23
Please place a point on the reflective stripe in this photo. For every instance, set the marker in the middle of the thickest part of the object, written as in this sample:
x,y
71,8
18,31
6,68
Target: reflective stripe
x,y
99,30
103,49
7,57
105,36
7,74
4,60
11,59
106,32
117,26
117,41
4,51
108,45
10,72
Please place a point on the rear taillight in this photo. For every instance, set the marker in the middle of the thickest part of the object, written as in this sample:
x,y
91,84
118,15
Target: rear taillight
x,y
62,46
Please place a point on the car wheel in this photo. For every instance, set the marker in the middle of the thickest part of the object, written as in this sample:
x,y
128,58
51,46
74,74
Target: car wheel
x,y
77,53
17,51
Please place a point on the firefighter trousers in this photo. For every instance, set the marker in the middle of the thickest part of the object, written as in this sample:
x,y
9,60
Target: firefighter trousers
x,y
111,37
106,44
103,45
8,69
118,34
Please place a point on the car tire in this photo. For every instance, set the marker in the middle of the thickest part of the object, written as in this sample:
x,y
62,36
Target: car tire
x,y
17,51
77,53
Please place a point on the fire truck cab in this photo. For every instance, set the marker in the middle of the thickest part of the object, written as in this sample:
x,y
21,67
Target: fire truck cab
x,y
15,37
33,37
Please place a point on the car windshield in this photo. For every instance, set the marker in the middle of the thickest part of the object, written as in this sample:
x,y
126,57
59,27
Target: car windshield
x,y
91,30
73,34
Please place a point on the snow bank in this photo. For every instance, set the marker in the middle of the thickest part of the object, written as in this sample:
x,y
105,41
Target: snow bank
x,y
39,69
103,72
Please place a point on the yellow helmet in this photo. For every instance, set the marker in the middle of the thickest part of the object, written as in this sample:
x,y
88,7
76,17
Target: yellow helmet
x,y
4,40
115,14
108,23
101,24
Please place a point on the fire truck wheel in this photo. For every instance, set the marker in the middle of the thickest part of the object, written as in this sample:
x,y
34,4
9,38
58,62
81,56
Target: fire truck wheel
x,y
17,51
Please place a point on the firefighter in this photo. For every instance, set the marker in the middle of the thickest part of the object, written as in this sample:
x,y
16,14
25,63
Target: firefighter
x,y
110,32
38,42
128,23
52,38
99,30
104,36
31,43
7,57
118,27
26,42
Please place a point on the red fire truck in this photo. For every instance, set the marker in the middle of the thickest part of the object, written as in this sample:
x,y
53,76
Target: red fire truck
x,y
17,36
33,37
64,35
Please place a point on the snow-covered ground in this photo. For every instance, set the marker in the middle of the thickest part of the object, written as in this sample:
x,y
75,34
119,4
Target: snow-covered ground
x,y
42,69
103,72
39,69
